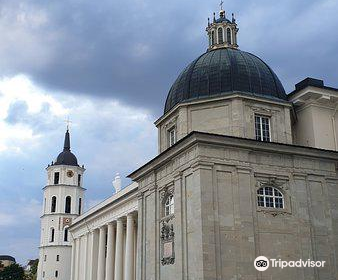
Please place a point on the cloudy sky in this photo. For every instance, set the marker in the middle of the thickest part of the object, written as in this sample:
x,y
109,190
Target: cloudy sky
x,y
108,65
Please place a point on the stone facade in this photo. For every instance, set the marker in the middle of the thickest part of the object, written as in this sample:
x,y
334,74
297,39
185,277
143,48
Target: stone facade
x,y
232,115
218,228
105,239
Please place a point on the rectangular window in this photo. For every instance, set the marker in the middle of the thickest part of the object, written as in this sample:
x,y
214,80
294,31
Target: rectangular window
x,y
172,136
65,237
80,206
79,180
56,273
262,128
56,178
43,274
57,258
45,259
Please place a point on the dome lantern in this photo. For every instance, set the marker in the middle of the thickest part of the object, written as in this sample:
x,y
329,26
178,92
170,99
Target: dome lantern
x,y
222,32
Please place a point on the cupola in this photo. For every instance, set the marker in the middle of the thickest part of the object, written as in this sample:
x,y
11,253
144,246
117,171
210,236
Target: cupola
x,y
222,32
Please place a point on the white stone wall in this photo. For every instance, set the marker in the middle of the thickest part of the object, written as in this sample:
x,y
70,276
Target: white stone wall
x,y
316,120
232,115
219,229
59,220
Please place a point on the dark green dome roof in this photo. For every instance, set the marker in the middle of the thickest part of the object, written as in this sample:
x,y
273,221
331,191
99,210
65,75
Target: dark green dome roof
x,y
66,157
224,71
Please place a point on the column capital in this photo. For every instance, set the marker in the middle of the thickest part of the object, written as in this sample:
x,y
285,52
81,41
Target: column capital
x,y
131,215
112,223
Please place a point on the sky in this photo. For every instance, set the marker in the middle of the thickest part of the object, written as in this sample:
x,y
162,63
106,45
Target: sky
x,y
108,66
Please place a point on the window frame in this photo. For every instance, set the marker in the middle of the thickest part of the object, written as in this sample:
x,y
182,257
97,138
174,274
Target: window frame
x,y
65,235
52,235
260,136
56,178
169,132
169,205
53,204
79,180
228,36
272,198
220,31
68,206
80,206
213,37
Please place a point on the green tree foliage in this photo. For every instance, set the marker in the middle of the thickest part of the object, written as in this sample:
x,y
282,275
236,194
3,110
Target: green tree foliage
x,y
12,272
32,273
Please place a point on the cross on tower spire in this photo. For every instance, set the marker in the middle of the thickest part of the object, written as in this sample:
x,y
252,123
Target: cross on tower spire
x,y
221,5
68,122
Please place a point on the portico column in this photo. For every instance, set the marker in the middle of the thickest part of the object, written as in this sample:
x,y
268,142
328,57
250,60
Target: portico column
x,y
77,258
119,250
101,254
110,260
89,263
72,268
130,248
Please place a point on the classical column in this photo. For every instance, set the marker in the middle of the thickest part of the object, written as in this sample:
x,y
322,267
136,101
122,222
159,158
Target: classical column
x,y
110,260
77,259
130,248
95,254
72,268
84,254
89,262
119,250
101,255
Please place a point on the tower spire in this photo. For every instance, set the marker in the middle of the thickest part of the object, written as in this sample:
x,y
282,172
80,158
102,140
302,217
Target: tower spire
x,y
66,146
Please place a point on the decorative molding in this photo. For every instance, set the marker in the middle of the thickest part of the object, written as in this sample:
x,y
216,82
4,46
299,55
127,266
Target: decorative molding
x,y
274,212
167,244
166,191
273,182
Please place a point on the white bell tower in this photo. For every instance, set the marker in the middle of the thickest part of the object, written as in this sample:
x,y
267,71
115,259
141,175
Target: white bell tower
x,y
63,202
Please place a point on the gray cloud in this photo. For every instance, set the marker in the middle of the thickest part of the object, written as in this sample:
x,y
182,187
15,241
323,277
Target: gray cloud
x,y
133,50
39,122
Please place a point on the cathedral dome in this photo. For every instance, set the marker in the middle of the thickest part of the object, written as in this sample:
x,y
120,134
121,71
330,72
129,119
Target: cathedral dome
x,y
223,71
66,157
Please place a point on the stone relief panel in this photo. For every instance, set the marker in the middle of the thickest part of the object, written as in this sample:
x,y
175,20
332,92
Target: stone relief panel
x,y
167,243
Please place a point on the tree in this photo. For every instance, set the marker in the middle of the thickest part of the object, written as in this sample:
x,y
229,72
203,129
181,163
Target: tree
x,y
34,267
12,272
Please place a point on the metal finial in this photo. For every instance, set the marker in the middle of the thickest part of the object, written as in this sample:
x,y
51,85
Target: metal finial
x,y
221,5
233,17
68,122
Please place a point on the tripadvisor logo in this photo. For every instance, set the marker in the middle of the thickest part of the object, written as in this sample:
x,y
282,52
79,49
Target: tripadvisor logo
x,y
262,263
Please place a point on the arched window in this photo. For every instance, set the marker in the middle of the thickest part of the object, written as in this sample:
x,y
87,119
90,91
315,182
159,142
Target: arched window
x,y
213,37
68,204
65,235
169,205
53,206
80,205
220,36
270,197
52,235
228,35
